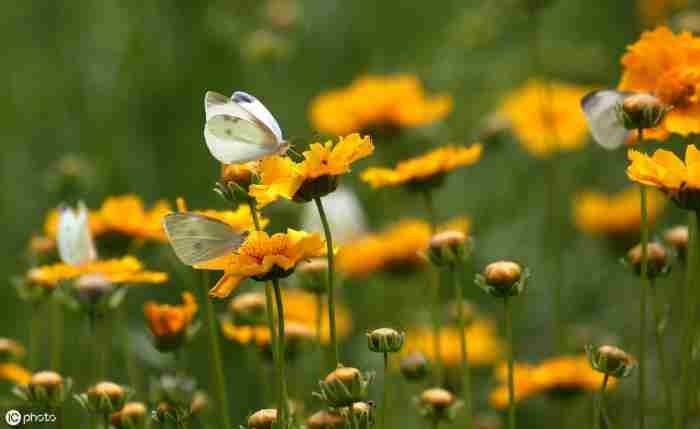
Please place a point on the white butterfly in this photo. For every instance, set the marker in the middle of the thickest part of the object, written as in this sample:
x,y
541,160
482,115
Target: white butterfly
x,y
601,108
240,128
197,239
75,245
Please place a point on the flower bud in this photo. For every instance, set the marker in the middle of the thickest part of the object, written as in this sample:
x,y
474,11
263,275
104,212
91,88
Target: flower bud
x,y
414,366
641,111
200,403
469,312
678,238
385,340
104,398
448,248
344,386
503,278
313,275
263,419
611,360
657,258
248,309
438,404
361,415
326,420
11,350
92,287
132,416
48,389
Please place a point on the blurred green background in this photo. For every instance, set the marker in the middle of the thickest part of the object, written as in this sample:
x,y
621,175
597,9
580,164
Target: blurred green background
x,y
121,83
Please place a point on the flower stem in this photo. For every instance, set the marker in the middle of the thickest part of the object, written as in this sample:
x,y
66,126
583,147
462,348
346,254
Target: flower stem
x,y
643,306
553,239
132,368
511,384
435,284
57,326
34,336
331,294
663,369
466,376
385,397
106,420
254,214
693,258
603,409
281,355
215,352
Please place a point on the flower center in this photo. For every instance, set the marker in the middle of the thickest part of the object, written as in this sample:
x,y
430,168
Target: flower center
x,y
262,247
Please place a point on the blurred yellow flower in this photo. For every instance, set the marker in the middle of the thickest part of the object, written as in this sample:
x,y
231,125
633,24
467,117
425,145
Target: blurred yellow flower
x,y
239,219
300,311
170,321
664,170
485,347
546,117
125,270
398,246
14,373
430,167
599,213
563,374
655,12
280,176
263,256
124,215
668,66
377,102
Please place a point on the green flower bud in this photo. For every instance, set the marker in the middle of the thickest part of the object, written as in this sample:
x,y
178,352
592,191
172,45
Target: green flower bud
x,y
385,340
437,404
104,398
641,111
503,279
326,420
448,248
657,260
361,415
132,416
611,361
11,350
312,275
47,389
414,366
263,419
344,386
248,309
677,237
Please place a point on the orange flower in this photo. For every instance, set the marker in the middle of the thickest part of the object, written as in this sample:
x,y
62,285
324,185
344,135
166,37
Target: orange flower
x,y
125,270
170,322
263,257
427,168
599,213
668,66
14,373
385,102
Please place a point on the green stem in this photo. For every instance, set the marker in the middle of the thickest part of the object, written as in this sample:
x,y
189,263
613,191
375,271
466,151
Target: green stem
x,y
319,318
132,369
693,259
281,355
106,421
254,214
331,294
643,306
430,209
603,407
435,284
466,376
215,352
34,337
511,384
553,238
385,393
660,352
57,326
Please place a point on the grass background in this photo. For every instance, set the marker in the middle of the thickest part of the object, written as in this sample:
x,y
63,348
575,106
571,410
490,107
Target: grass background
x,y
120,83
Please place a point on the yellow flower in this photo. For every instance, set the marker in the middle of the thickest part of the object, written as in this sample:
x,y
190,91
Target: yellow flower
x,y
383,102
664,170
546,117
300,310
563,374
598,213
668,66
263,257
239,219
124,215
398,246
430,167
170,321
14,373
654,12
280,176
242,174
485,348
125,270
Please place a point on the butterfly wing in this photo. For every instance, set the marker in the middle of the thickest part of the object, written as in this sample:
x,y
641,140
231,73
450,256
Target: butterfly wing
x,y
75,245
196,238
234,135
600,109
257,109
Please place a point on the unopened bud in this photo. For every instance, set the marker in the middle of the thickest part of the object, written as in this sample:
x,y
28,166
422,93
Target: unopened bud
x,y
642,111
344,386
438,404
657,260
611,360
132,416
326,420
385,340
248,309
11,350
448,248
414,366
48,388
263,419
678,238
503,278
